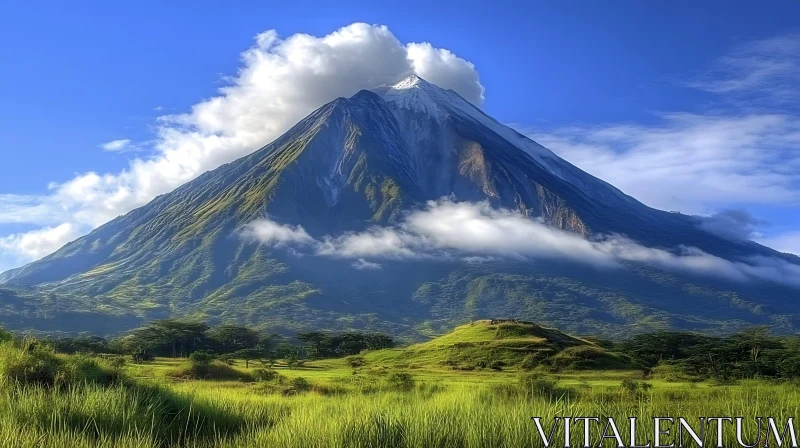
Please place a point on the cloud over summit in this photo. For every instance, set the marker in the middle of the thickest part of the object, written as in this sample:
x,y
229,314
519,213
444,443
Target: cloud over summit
x,y
280,80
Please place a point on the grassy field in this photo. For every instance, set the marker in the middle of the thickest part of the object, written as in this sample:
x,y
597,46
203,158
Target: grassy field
x,y
339,406
477,386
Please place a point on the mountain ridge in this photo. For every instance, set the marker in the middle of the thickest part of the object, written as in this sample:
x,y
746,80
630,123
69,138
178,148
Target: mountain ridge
x,y
353,163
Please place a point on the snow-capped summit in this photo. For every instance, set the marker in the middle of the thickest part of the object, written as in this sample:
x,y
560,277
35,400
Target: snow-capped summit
x,y
415,94
411,82
419,97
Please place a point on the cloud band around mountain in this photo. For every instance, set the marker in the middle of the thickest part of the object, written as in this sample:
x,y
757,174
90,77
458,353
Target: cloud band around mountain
x,y
462,230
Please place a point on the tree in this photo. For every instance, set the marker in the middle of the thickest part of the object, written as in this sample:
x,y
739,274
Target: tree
x,y
379,341
233,338
285,350
168,337
83,344
249,354
318,343
651,348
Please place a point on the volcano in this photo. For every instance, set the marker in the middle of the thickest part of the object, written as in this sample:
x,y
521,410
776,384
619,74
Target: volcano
x,y
366,161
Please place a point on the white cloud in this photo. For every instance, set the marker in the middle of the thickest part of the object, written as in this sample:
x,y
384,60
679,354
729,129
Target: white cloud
x,y
745,153
279,82
788,242
274,234
762,72
474,231
364,265
116,145
38,243
443,68
691,163
30,209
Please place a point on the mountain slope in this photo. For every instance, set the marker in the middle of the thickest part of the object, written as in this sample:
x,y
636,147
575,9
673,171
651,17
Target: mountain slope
x,y
367,160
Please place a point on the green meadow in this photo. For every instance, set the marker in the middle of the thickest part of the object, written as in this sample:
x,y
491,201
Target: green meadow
x,y
426,395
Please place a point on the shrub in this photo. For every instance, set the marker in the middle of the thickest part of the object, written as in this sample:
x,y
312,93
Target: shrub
x,y
200,362
6,336
632,387
117,362
83,368
227,359
214,371
535,385
142,357
201,358
299,384
402,381
38,364
533,360
32,364
463,367
497,365
670,372
355,361
583,357
629,386
265,375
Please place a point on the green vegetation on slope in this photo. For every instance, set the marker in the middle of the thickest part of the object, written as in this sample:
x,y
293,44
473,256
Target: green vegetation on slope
x,y
499,344
343,169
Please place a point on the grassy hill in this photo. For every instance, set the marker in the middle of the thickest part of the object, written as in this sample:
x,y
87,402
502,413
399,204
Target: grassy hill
x,y
498,344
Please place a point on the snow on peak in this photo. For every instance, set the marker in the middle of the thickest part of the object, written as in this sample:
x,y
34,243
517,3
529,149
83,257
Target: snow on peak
x,y
418,96
411,82
415,94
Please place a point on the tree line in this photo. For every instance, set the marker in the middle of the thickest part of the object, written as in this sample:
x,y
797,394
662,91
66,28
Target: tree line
x,y
180,339
748,354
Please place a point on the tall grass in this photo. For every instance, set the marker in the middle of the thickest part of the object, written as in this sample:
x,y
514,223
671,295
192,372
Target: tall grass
x,y
391,410
208,414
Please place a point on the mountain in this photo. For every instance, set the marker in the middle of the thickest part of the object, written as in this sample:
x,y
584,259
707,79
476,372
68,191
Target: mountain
x,y
366,161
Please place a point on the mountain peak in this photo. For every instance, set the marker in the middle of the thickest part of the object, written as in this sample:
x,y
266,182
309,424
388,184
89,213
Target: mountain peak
x,y
411,82
415,94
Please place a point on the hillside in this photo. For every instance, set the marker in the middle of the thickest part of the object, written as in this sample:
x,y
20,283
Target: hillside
x,y
498,344
368,161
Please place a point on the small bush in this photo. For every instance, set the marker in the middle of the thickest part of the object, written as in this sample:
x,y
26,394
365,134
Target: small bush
x,y
538,385
227,359
265,375
117,362
533,360
201,358
299,384
463,367
200,363
497,365
142,357
671,373
38,364
402,381
214,371
631,387
355,361
583,357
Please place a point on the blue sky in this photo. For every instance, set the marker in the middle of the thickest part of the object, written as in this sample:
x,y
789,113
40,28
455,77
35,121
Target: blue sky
x,y
686,106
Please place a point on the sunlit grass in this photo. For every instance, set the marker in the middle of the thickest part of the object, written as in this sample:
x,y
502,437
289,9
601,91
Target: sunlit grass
x,y
347,409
